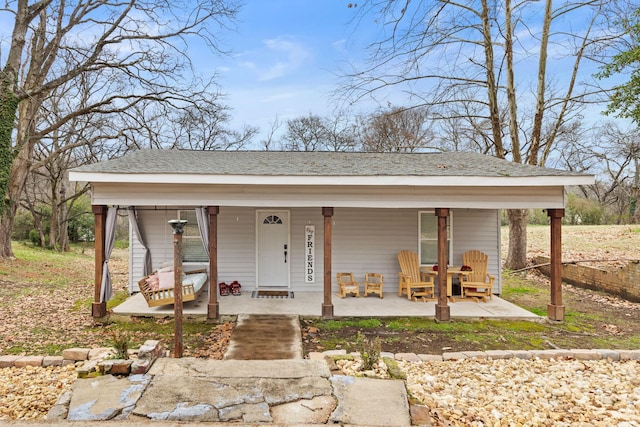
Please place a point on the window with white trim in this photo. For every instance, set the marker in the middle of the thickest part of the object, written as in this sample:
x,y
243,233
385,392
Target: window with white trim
x,y
428,237
192,246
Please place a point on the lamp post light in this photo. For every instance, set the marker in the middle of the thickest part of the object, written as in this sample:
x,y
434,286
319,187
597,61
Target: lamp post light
x,y
178,229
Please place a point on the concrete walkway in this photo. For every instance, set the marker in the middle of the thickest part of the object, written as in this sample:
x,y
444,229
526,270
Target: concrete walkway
x,y
292,391
265,337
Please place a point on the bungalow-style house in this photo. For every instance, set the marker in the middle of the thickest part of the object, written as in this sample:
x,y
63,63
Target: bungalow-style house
x,y
290,220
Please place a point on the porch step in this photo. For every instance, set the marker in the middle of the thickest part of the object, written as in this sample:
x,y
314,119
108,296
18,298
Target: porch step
x,y
265,337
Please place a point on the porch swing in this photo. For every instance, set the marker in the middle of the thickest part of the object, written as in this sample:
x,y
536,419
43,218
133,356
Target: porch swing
x,y
158,287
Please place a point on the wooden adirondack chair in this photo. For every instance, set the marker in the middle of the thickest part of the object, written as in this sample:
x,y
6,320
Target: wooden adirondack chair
x,y
411,281
479,282
347,285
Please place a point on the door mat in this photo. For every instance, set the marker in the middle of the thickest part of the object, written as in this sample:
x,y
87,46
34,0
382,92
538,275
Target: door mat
x,y
272,294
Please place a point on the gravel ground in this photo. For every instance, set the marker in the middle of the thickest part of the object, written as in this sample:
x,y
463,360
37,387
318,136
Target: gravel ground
x,y
28,393
471,392
516,392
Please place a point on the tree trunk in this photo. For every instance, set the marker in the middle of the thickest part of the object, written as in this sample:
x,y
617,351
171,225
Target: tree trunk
x,y
8,108
635,194
20,169
517,255
54,223
18,178
492,87
512,101
63,217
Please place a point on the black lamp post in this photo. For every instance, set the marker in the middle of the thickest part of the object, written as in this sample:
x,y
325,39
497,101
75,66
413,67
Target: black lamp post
x,y
178,229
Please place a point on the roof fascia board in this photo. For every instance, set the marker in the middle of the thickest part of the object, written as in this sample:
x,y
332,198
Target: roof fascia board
x,y
372,180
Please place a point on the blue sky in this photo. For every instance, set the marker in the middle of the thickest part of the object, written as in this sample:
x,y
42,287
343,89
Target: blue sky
x,y
285,59
287,56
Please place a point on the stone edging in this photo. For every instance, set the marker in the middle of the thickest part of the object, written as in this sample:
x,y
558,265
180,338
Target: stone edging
x,y
152,349
91,360
578,354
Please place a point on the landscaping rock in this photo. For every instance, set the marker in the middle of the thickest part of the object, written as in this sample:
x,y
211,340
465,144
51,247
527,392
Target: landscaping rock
x,y
528,392
430,357
454,356
88,368
141,366
411,357
52,361
28,361
150,350
76,354
106,397
60,410
115,366
8,361
100,353
371,402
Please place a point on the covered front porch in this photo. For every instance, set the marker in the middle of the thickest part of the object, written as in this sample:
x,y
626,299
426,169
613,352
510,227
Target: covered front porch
x,y
258,213
305,304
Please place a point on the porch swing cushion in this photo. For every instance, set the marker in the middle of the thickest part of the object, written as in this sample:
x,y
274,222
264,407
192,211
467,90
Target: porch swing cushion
x,y
193,283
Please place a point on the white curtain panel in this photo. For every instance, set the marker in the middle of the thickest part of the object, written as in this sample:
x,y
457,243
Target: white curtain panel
x,y
203,226
133,223
106,289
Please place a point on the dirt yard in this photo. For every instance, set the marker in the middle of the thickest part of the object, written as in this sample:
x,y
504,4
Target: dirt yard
x,y
593,320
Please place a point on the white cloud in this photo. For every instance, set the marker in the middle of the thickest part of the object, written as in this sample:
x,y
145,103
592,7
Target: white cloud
x,y
340,45
247,64
291,56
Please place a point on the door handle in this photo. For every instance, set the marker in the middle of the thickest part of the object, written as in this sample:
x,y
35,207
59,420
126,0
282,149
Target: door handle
x,y
285,253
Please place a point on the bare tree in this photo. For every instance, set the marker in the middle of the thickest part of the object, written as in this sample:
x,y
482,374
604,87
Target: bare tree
x,y
203,126
141,46
342,132
613,154
477,57
305,133
397,130
270,139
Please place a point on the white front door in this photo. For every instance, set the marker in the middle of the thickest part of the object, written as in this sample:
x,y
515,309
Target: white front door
x,y
273,249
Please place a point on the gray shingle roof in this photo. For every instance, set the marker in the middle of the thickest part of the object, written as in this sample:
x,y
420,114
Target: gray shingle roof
x,y
279,163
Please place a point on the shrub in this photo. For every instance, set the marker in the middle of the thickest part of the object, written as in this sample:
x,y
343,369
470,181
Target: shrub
x,y
369,350
34,237
121,342
581,211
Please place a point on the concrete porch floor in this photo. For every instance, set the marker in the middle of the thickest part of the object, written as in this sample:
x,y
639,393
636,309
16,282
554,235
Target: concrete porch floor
x,y
309,304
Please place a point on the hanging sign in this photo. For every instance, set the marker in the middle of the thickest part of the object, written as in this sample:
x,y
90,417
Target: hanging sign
x,y
309,253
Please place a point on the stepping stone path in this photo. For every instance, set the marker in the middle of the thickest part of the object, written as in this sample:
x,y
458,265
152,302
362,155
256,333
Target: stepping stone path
x,y
263,379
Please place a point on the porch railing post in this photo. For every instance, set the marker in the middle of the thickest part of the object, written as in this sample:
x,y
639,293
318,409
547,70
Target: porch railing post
x,y
213,309
99,308
327,305
443,311
555,310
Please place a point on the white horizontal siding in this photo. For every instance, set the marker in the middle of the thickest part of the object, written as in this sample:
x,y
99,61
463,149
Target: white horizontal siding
x,y
336,196
368,241
237,246
364,240
478,229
